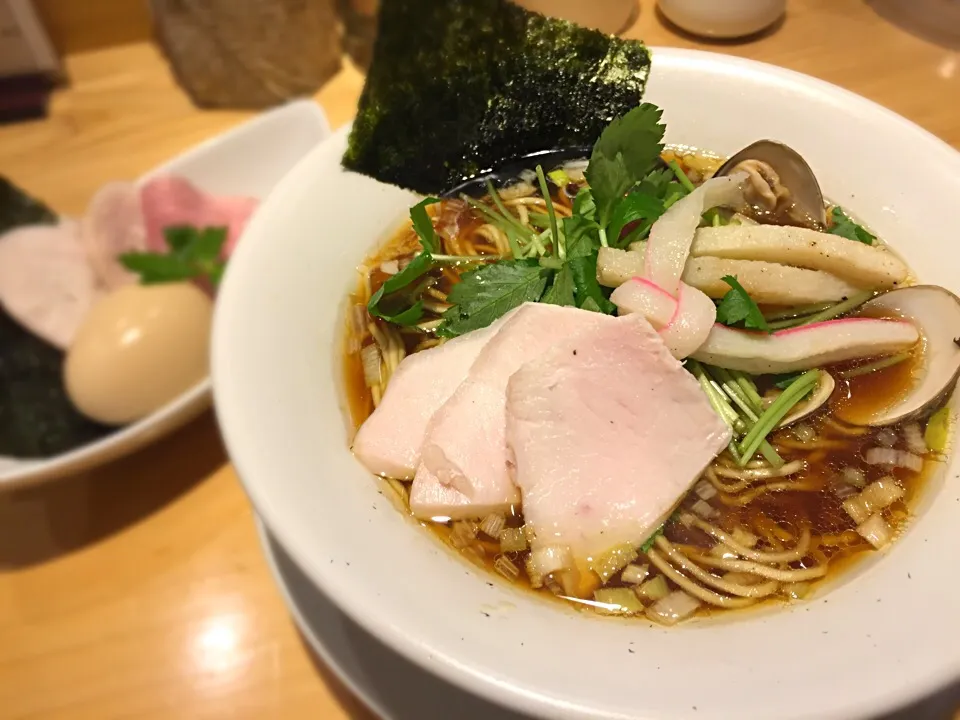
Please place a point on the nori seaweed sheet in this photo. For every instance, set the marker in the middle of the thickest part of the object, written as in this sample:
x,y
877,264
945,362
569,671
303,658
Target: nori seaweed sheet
x,y
37,419
459,87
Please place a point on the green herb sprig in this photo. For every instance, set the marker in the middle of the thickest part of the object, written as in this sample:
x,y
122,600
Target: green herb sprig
x,y
194,253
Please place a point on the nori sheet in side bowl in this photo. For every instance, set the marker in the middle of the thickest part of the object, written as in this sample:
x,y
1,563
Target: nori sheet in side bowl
x,y
37,419
460,87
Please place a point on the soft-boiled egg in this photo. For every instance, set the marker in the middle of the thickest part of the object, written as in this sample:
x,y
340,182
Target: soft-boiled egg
x,y
139,348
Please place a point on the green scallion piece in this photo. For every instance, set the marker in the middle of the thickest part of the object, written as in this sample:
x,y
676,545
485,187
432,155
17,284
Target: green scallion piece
x,y
880,364
495,196
748,387
778,410
797,311
840,308
681,176
558,248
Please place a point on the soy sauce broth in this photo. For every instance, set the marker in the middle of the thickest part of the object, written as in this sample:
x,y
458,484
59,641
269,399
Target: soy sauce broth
x,y
835,448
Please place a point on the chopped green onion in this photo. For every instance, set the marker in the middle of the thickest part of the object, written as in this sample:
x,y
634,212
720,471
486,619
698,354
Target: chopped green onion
x,y
540,220
778,410
559,177
880,364
492,525
635,574
613,561
558,248
681,176
620,600
506,567
654,589
937,433
513,540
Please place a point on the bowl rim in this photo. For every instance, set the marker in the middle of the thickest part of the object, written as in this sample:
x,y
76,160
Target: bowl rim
x,y
463,675
17,473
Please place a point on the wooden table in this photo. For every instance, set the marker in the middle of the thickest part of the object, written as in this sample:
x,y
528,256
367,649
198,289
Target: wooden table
x,y
139,591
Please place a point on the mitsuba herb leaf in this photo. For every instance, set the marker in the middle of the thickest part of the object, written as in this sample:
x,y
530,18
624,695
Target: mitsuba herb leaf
x,y
648,543
583,204
738,307
844,226
633,207
609,181
485,294
586,288
459,86
591,305
403,310
423,225
582,236
193,253
637,136
625,152
560,291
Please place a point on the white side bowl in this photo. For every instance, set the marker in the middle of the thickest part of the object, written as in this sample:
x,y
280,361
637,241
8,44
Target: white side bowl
x,y
883,635
248,160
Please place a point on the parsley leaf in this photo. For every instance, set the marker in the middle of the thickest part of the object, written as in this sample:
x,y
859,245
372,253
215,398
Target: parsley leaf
x,y
738,307
485,294
193,253
561,291
844,226
399,310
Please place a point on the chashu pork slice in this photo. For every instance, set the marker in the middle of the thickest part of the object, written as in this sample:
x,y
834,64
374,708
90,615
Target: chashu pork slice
x,y
608,432
388,443
430,499
465,448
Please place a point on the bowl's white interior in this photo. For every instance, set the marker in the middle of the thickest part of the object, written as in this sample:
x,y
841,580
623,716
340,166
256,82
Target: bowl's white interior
x,y
250,160
882,638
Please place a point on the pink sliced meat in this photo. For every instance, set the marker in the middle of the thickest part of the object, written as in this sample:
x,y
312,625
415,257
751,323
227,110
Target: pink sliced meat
x,y
389,442
169,200
430,499
608,432
46,283
113,226
465,448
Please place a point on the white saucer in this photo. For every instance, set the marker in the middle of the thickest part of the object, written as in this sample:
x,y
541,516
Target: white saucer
x,y
392,687
396,689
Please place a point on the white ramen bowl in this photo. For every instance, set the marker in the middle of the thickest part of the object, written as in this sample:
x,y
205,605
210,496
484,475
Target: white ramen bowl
x,y
880,635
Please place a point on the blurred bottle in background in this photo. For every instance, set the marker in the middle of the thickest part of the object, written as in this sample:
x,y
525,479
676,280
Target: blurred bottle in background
x,y
249,54
359,29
